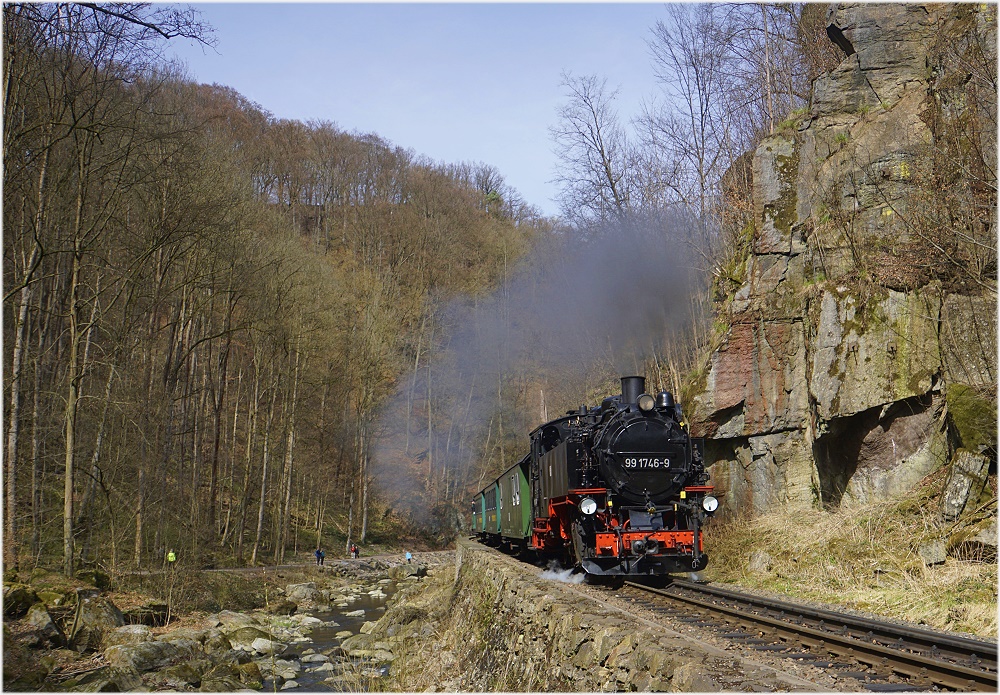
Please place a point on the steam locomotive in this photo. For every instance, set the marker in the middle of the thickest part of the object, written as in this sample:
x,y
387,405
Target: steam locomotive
x,y
618,490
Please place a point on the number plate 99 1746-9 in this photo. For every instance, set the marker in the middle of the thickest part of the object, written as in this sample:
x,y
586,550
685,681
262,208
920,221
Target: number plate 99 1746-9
x,y
642,462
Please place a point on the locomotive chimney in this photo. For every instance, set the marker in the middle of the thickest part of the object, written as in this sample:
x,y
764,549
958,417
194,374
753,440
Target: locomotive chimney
x,y
632,388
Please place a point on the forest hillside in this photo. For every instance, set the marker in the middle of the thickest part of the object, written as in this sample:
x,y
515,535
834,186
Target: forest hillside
x,y
205,305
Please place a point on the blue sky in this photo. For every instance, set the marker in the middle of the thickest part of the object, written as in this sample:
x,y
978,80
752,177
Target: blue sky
x,y
453,82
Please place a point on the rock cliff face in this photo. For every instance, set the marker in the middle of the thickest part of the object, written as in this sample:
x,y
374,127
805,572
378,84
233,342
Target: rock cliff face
x,y
840,357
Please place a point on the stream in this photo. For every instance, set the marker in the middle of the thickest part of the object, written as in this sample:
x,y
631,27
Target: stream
x,y
323,638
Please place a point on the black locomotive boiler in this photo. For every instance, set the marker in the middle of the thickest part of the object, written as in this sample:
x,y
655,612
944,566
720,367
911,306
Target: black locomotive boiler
x,y
620,489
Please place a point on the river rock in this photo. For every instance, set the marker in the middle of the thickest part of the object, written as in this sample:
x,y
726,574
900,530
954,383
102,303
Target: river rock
x,y
221,683
307,620
243,637
287,668
249,674
105,679
152,655
404,571
178,676
192,633
17,599
355,642
95,615
230,620
314,658
45,631
127,634
282,607
217,642
50,597
303,593
262,645
355,614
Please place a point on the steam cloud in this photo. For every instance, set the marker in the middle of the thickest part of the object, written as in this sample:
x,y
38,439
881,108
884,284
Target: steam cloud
x,y
556,574
574,305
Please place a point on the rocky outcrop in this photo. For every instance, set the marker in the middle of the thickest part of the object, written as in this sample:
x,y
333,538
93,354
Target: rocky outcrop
x,y
841,351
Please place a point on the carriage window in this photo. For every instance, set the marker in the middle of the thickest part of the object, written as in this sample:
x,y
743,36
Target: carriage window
x,y
516,494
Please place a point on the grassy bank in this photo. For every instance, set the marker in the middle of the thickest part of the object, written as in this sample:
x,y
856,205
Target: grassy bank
x,y
866,558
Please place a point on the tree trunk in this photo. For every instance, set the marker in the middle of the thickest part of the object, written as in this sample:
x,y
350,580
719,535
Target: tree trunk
x,y
72,400
17,360
36,454
83,515
263,479
413,384
350,523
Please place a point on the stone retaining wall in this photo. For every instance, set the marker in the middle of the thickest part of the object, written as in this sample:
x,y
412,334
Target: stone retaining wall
x,y
497,626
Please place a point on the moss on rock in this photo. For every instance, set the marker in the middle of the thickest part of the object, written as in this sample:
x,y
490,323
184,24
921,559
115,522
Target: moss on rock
x,y
973,416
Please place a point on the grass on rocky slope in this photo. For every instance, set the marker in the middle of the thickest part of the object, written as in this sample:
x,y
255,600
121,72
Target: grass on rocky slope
x,y
865,558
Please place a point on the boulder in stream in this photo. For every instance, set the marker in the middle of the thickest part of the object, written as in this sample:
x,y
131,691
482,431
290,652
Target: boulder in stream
x,y
243,637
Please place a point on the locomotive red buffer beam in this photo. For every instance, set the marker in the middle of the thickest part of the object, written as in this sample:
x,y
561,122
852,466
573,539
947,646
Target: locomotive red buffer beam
x,y
645,552
634,551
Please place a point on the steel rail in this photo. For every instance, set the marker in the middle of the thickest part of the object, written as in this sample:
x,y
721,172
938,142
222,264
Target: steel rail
x,y
961,647
862,648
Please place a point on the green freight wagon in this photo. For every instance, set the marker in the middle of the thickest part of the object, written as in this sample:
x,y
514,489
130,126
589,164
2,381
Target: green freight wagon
x,y
515,504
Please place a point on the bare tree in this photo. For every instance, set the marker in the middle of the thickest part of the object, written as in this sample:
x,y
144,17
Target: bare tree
x,y
597,171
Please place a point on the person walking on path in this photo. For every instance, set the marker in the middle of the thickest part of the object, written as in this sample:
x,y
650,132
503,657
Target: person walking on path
x,y
319,556
409,557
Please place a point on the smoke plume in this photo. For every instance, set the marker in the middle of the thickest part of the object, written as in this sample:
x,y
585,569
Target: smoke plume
x,y
575,307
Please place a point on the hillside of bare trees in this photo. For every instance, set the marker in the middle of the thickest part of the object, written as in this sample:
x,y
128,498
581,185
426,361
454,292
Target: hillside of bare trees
x,y
206,306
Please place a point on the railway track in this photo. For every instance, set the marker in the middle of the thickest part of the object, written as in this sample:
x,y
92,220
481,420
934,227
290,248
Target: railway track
x,y
860,652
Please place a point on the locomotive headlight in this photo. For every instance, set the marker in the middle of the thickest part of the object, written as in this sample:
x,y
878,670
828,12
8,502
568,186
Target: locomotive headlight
x,y
710,503
588,505
646,402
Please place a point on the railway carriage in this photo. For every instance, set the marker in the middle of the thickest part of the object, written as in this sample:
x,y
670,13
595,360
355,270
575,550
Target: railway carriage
x,y
515,503
491,516
478,514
